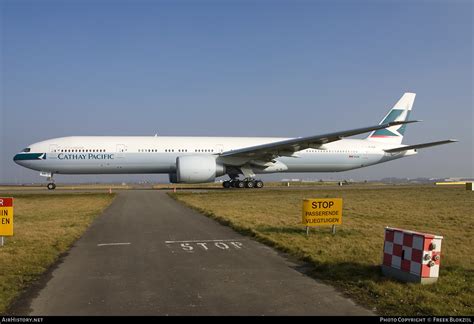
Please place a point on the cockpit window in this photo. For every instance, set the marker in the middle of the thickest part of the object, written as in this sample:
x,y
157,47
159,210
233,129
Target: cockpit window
x,y
26,150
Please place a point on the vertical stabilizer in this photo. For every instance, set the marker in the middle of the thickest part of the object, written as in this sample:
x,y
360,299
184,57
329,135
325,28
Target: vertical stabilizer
x,y
399,112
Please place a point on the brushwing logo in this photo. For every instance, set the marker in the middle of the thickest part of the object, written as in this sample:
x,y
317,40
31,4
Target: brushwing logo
x,y
394,131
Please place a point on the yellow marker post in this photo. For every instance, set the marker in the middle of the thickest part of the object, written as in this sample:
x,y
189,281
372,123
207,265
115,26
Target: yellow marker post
x,y
6,218
321,212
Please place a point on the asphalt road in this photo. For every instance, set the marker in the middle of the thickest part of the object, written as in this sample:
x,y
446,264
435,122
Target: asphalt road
x,y
149,255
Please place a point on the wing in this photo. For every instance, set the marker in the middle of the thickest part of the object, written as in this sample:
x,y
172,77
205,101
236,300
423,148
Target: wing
x,y
288,147
418,146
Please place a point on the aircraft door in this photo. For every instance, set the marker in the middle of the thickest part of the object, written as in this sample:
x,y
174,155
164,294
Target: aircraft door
x,y
219,148
53,148
121,149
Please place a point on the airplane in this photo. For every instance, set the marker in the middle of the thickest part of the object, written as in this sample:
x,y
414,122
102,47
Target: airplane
x,y
203,159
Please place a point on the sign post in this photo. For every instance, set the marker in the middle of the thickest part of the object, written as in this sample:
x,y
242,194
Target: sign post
x,y
321,212
6,218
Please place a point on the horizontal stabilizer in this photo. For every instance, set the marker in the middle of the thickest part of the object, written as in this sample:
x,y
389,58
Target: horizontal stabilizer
x,y
418,146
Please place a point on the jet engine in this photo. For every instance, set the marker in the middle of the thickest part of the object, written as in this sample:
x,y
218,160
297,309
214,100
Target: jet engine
x,y
197,169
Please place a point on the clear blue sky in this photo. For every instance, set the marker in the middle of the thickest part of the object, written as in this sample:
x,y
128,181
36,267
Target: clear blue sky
x,y
237,68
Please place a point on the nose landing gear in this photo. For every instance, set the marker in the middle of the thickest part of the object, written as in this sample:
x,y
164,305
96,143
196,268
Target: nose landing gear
x,y
51,185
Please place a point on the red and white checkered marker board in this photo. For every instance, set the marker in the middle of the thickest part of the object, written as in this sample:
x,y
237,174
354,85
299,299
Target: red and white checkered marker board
x,y
413,252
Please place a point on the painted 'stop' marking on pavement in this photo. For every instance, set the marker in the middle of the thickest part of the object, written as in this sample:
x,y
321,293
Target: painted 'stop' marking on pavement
x,y
106,244
199,241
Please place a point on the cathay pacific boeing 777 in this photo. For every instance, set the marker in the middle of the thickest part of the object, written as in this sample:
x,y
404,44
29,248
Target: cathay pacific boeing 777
x,y
203,159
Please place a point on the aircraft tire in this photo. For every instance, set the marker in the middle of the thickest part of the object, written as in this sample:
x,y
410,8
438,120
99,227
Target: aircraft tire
x,y
249,184
239,184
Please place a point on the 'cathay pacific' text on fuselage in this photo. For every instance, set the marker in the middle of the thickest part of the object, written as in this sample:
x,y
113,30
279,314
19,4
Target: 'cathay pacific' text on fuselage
x,y
89,156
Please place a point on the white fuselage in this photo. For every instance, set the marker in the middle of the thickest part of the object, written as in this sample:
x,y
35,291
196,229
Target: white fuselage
x,y
157,154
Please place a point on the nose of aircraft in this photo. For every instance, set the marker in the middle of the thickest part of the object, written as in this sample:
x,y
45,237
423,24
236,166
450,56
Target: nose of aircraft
x,y
27,158
17,158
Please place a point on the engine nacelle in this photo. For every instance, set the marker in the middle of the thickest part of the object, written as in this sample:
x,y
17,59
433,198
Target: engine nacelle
x,y
198,169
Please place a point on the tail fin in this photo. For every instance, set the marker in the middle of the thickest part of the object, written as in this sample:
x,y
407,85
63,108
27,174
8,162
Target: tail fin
x,y
399,112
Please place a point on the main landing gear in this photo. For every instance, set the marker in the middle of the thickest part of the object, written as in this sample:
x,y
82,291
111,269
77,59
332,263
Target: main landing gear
x,y
51,186
246,183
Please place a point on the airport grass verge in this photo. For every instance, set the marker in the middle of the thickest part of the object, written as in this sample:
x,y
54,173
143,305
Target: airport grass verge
x,y
45,226
350,260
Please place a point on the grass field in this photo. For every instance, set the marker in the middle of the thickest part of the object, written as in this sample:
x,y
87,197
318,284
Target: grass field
x,y
350,260
44,227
